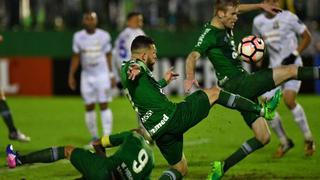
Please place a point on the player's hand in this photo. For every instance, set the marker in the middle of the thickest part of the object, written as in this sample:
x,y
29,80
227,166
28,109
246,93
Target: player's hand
x,y
188,83
290,59
170,75
270,9
133,71
1,38
99,149
113,82
72,83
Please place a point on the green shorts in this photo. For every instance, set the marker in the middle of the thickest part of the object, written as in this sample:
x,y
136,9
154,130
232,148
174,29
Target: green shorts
x,y
189,112
90,165
250,86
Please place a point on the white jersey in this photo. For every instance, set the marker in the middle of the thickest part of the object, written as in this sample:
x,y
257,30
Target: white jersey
x,y
122,46
279,34
92,49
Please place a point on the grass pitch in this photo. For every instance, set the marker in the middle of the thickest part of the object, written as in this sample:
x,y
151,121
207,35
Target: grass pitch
x,y
60,121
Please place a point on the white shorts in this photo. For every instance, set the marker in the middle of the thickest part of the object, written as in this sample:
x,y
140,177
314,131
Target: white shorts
x,y
292,85
95,89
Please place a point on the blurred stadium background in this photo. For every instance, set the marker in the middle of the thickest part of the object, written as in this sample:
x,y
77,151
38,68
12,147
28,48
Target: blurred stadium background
x,y
35,57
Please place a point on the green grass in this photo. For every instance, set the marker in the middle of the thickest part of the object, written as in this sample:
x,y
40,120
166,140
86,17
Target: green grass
x,y
60,121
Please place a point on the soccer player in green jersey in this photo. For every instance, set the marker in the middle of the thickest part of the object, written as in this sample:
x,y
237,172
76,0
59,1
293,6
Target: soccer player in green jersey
x,y
166,121
133,159
217,43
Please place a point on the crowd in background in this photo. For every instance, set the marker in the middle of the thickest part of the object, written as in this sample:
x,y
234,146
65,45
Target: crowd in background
x,y
166,14
171,15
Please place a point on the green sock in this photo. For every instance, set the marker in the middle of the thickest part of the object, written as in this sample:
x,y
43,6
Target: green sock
x,y
170,174
234,101
6,114
308,73
246,148
44,156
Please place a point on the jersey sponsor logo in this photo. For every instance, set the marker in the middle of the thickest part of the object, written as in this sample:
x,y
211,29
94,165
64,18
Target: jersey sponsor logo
x,y
124,171
146,116
200,40
164,120
233,44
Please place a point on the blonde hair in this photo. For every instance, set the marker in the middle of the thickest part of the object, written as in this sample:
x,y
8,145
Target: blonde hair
x,y
222,5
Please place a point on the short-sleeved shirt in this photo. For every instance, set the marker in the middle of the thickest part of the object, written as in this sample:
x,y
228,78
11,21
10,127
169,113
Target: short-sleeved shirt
x,y
147,98
92,49
134,158
219,46
279,34
122,45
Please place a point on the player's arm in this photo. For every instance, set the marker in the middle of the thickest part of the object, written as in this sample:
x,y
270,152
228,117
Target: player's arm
x,y
190,68
112,76
134,70
75,62
113,140
168,77
260,6
299,28
305,41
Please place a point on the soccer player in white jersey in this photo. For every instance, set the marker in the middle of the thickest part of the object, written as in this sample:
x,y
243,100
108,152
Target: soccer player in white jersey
x,y
121,51
92,47
280,33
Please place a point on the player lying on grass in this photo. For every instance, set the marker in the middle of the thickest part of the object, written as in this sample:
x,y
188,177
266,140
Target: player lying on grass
x,y
165,121
133,159
217,43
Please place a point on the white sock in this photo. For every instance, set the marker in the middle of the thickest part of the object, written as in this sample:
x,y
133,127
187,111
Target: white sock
x,y
301,119
106,118
277,127
91,122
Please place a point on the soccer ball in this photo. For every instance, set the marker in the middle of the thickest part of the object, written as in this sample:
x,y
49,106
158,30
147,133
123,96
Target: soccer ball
x,y
251,49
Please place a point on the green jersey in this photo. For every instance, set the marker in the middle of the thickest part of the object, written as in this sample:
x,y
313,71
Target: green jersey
x,y
147,98
219,46
134,158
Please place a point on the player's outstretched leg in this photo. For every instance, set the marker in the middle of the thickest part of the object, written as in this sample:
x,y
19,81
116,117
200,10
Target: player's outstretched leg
x,y
217,171
269,108
43,156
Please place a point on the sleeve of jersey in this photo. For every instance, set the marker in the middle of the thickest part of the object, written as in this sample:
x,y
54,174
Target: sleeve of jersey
x,y
204,42
163,83
255,30
106,47
298,26
114,139
75,45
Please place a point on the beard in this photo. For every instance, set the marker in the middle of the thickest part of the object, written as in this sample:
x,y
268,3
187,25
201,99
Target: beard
x,y
150,66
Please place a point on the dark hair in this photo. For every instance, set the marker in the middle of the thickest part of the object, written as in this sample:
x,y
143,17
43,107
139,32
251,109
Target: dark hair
x,y
133,14
90,13
141,42
222,4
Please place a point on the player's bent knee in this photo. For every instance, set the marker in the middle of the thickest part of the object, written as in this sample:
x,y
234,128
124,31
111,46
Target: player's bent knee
x,y
264,138
68,151
182,167
213,93
103,106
